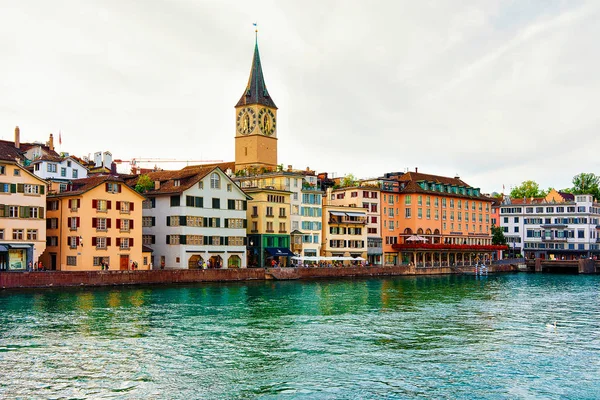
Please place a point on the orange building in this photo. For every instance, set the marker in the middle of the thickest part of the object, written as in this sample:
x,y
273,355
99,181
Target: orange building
x,y
96,222
434,220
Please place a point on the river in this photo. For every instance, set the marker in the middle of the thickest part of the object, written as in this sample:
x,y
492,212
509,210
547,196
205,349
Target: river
x,y
404,337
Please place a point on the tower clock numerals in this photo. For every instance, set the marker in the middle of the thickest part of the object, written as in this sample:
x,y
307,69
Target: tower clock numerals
x,y
246,121
266,121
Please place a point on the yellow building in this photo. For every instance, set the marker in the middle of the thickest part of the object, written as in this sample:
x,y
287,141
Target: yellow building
x,y
22,202
97,221
256,124
344,233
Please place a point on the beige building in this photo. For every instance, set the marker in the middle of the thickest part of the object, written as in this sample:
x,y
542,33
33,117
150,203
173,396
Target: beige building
x,y
344,232
366,197
97,221
22,202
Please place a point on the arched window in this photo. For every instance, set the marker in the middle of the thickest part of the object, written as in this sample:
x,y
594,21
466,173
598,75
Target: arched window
x,y
420,231
215,181
436,232
428,231
408,231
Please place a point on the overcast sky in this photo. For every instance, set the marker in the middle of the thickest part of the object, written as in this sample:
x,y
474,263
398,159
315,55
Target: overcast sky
x,y
497,92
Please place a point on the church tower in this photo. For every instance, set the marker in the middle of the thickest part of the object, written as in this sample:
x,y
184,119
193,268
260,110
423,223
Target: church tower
x,y
256,123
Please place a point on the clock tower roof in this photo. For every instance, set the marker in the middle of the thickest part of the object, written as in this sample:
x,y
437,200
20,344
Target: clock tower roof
x,y
256,90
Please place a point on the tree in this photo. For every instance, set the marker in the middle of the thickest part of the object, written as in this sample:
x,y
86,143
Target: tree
x,y
586,183
498,235
527,189
144,183
348,181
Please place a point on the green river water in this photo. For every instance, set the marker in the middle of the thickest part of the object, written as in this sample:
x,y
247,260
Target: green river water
x,y
407,337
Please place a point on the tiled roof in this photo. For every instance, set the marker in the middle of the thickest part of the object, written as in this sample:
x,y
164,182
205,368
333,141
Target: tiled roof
x,y
79,186
224,166
9,152
567,196
411,185
418,177
187,177
256,90
146,249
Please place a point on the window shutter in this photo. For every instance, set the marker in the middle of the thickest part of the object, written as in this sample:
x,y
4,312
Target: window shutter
x,y
94,222
106,186
153,239
107,241
130,242
182,220
245,205
131,206
41,213
107,223
168,221
245,223
119,188
130,224
230,204
118,242
78,219
118,205
23,212
218,222
226,222
94,203
168,241
108,205
205,238
226,240
78,203
42,189
94,241
20,188
182,239
118,224
153,221
70,203
47,224
205,222
245,240
77,239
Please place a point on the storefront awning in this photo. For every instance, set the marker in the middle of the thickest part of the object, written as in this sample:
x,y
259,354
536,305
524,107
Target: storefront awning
x,y
280,251
3,248
338,213
355,214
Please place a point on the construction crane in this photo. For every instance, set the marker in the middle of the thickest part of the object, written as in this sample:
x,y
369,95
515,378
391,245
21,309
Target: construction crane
x,y
136,161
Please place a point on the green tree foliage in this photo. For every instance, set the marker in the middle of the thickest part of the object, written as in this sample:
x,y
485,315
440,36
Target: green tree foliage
x,y
498,236
527,189
144,184
586,183
348,181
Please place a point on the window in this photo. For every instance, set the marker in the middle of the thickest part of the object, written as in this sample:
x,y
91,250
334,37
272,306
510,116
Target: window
x,y
100,224
113,187
407,212
72,260
1,234
124,243
32,234
282,227
125,225
125,207
101,243
148,239
419,213
215,181
63,171
407,200
148,221
102,205
282,212
31,189
16,172
51,167
72,240
229,187
175,201
13,212
269,226
216,203
3,170
269,211
75,174
17,234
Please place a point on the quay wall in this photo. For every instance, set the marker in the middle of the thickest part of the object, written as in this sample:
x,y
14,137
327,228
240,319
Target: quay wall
x,y
37,279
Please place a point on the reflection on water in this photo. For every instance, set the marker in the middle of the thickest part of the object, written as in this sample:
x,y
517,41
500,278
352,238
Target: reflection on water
x,y
452,337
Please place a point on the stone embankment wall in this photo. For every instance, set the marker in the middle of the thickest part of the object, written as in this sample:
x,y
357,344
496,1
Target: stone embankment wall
x,y
109,278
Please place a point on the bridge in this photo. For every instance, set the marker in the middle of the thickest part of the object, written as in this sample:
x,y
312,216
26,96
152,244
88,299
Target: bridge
x,y
581,266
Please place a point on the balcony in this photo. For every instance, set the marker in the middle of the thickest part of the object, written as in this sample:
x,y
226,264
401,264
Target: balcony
x,y
554,239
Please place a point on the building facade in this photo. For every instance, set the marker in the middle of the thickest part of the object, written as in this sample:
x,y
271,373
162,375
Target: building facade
x,y
22,212
557,226
93,224
194,218
344,233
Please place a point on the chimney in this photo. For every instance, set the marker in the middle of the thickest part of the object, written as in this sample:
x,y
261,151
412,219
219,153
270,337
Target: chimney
x,y
416,169
17,137
98,159
113,168
51,142
156,185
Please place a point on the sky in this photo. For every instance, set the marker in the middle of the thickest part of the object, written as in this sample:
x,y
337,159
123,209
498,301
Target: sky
x,y
496,92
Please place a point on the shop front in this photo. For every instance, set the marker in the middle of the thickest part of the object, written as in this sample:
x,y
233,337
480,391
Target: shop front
x,y
15,257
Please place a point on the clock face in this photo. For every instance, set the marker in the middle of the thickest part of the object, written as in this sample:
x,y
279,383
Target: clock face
x,y
246,121
266,121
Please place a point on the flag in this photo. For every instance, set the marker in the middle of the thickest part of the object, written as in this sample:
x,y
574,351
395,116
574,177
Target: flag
x,y
59,138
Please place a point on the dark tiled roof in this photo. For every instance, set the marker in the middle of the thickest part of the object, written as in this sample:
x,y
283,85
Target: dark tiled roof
x,y
418,177
256,90
146,249
79,186
411,185
187,177
9,152
567,196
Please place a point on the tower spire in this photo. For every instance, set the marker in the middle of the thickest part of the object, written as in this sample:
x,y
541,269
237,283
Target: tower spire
x,y
256,89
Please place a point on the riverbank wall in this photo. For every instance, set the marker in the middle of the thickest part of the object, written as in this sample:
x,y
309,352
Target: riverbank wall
x,y
39,279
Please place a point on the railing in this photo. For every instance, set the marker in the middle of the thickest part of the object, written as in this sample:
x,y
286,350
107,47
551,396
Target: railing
x,y
554,239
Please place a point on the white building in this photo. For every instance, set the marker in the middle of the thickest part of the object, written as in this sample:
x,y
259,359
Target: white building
x,y
58,170
195,217
558,226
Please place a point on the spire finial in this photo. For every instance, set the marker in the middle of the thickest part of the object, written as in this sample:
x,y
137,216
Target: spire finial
x,y
255,33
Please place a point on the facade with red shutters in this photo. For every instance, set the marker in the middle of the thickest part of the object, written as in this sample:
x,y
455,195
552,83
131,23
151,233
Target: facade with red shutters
x,y
97,221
